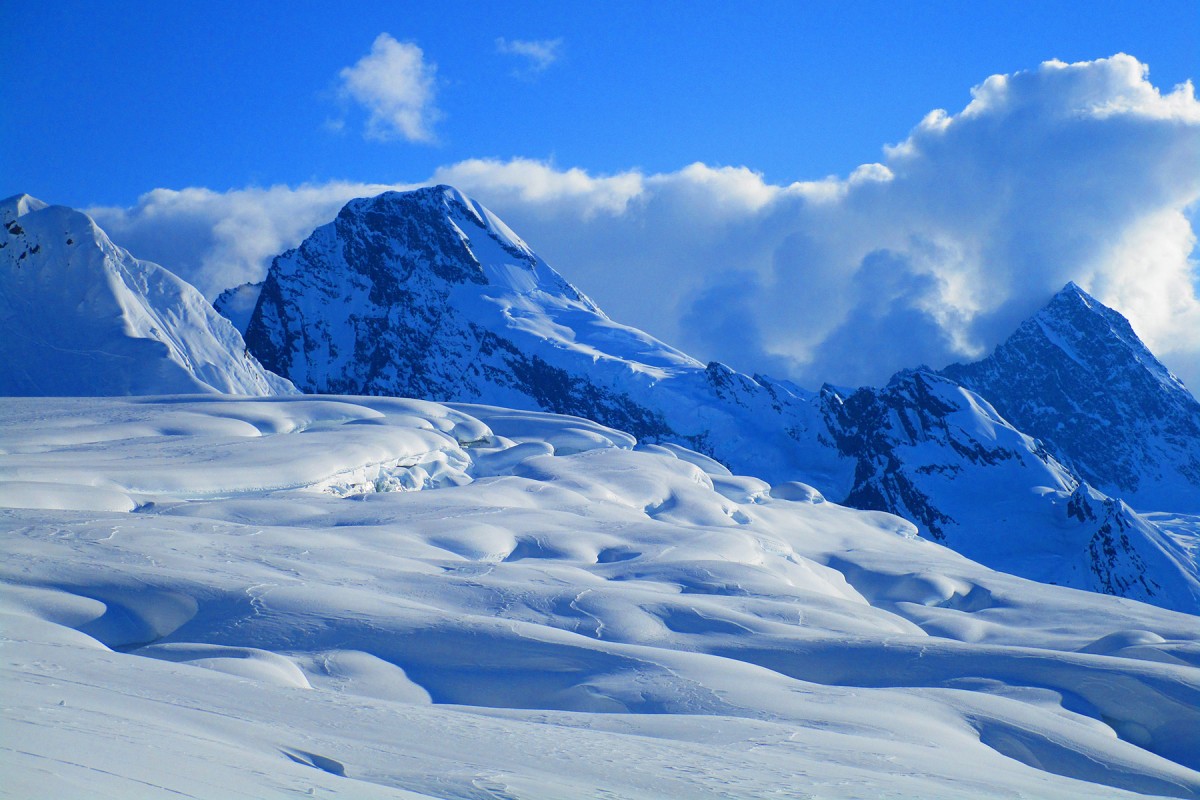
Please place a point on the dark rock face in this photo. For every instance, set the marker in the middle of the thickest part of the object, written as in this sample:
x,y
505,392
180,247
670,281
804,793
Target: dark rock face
x,y
1116,564
556,390
917,431
870,426
388,299
1078,378
358,306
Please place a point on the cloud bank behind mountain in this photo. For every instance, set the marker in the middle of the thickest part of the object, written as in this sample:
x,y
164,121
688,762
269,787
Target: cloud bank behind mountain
x,y
1084,172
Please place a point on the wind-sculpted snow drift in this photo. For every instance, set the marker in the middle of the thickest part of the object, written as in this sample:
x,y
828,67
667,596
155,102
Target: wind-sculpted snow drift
x,y
393,598
81,316
427,294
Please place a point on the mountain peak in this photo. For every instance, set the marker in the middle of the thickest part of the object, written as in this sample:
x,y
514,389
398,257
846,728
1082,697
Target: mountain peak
x,y
1072,301
426,204
18,206
1073,288
1097,337
1077,376
81,316
440,196
1072,297
413,292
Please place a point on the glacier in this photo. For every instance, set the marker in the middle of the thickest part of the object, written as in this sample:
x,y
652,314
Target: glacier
x,y
377,597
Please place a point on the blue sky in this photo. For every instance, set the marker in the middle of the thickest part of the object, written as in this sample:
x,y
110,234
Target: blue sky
x,y
107,100
821,191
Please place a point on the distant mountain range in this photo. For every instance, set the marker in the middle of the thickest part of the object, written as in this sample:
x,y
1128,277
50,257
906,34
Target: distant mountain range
x,y
428,294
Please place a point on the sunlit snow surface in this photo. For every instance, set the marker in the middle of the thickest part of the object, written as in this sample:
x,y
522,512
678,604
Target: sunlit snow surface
x,y
224,598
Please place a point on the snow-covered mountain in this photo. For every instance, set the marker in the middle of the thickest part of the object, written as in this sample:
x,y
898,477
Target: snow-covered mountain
x,y
81,316
383,598
427,294
936,453
1076,376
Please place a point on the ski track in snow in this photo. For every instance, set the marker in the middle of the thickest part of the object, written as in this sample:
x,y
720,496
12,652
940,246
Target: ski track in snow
x,y
368,597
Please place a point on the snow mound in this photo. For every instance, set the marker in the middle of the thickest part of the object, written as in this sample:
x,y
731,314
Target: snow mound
x,y
245,662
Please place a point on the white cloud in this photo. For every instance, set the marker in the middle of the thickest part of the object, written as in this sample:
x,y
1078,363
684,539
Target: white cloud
x,y
1081,172
526,182
396,85
216,240
537,54
1142,275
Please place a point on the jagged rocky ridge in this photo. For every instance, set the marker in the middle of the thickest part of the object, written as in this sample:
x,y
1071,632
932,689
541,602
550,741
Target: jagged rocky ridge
x,y
1077,377
80,316
427,294
936,453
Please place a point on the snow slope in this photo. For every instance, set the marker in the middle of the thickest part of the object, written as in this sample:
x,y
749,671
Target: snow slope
x,y
427,294
81,316
371,597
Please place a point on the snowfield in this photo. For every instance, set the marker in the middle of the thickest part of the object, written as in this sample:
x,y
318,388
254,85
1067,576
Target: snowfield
x,y
206,596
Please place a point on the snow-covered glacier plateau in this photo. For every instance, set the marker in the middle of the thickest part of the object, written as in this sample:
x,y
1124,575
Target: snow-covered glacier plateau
x,y
223,597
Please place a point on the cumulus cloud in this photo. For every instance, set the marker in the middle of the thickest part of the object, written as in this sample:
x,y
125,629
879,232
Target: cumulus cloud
x,y
537,54
1083,172
535,184
396,85
215,240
